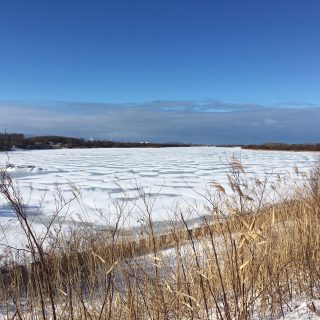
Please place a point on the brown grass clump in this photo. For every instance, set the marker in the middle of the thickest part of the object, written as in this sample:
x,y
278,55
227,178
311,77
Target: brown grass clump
x,y
254,256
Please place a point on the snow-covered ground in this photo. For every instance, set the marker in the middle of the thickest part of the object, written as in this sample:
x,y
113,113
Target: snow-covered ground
x,y
302,309
305,310
106,176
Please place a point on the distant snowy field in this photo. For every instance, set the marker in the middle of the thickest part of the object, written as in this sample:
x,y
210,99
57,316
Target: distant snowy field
x,y
109,176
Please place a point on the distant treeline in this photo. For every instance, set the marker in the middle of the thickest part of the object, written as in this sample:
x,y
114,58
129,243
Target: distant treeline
x,y
283,146
16,140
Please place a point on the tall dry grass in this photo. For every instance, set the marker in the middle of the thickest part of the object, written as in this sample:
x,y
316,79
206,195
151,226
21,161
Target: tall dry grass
x,y
257,252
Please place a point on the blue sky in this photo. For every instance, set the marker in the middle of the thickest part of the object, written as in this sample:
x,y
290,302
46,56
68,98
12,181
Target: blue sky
x,y
210,58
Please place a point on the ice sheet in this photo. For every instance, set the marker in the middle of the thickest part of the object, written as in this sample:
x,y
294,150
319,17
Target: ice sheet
x,y
109,176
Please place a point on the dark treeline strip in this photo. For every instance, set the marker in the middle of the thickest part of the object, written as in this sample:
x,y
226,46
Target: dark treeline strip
x,y
283,146
9,141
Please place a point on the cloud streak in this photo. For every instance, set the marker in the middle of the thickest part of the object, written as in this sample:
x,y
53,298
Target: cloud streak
x,y
166,121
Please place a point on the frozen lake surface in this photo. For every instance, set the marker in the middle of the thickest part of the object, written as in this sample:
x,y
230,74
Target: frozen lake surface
x,y
109,178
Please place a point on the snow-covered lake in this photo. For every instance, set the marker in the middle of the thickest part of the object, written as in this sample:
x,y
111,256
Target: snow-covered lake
x,y
105,176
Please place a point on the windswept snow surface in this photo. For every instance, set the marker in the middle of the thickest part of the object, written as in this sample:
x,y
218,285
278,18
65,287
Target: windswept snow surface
x,y
109,176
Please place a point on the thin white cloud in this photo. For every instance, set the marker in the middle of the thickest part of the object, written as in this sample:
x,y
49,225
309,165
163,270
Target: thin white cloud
x,y
270,122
